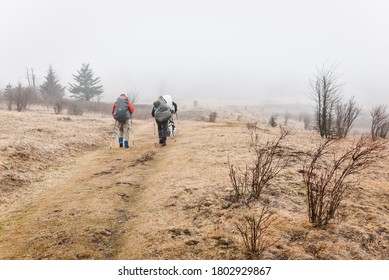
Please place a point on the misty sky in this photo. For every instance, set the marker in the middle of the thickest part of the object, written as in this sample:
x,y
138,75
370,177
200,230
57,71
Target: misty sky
x,y
205,50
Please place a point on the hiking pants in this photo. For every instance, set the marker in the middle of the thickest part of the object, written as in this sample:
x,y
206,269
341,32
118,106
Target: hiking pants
x,y
124,129
162,131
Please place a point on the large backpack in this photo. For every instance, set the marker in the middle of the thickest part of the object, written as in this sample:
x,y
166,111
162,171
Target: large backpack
x,y
121,113
169,102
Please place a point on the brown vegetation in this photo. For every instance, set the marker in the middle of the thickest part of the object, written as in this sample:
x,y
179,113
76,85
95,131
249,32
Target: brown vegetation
x,y
328,177
66,195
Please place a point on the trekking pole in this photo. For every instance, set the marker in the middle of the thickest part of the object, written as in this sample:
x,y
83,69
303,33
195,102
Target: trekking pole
x,y
155,138
178,123
113,135
132,131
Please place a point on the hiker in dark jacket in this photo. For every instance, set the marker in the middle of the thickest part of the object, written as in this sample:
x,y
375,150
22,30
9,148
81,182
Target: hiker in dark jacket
x,y
161,113
122,110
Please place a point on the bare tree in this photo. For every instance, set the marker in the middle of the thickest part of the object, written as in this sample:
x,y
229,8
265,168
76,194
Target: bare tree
x,y
346,113
31,79
325,92
328,177
380,121
133,96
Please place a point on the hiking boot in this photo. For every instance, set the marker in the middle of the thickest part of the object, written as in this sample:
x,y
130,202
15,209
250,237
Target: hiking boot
x,y
163,144
125,144
121,142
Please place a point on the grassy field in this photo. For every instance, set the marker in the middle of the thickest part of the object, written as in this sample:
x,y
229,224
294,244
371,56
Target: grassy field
x,y
64,194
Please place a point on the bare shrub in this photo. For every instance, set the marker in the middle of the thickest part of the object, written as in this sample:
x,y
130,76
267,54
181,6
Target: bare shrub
x,y
59,106
253,232
307,120
212,116
346,113
380,121
251,125
270,160
21,97
328,177
273,121
287,116
239,181
75,109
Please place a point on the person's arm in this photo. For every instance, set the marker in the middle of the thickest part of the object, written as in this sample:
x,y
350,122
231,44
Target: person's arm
x,y
113,108
131,108
153,112
175,107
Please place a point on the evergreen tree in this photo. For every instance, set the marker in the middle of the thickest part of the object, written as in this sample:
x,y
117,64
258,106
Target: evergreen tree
x,y
8,94
86,87
51,90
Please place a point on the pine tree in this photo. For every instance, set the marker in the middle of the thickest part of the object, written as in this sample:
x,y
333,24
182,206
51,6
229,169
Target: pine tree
x,y
8,94
86,86
51,90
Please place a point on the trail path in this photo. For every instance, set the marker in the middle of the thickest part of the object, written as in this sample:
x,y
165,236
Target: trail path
x,y
114,203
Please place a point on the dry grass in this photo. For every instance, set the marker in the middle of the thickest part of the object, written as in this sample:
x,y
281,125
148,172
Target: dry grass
x,y
68,196
33,142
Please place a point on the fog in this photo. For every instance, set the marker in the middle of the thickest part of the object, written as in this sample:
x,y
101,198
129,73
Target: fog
x,y
212,51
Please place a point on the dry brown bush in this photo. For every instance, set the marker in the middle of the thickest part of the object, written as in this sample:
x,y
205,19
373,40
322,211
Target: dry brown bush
x,y
270,160
328,177
253,232
345,115
380,121
212,116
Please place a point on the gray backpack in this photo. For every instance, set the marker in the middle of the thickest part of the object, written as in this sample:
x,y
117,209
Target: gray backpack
x,y
121,113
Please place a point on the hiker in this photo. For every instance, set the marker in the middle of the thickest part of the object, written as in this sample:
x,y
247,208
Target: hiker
x,y
161,112
122,111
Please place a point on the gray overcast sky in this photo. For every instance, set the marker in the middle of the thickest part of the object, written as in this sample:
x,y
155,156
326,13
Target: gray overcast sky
x,y
205,50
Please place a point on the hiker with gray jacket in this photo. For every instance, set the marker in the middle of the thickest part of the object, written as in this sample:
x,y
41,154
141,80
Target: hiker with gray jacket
x,y
161,112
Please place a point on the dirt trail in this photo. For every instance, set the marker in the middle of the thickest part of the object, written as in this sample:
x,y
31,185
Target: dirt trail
x,y
146,202
80,211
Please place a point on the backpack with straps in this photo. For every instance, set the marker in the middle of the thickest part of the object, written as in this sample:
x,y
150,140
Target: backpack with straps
x,y
121,112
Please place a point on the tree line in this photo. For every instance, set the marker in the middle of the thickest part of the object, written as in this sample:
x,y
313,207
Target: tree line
x,y
86,87
333,116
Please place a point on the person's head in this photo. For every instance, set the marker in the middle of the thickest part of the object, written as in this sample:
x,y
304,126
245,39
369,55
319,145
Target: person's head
x,y
123,96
